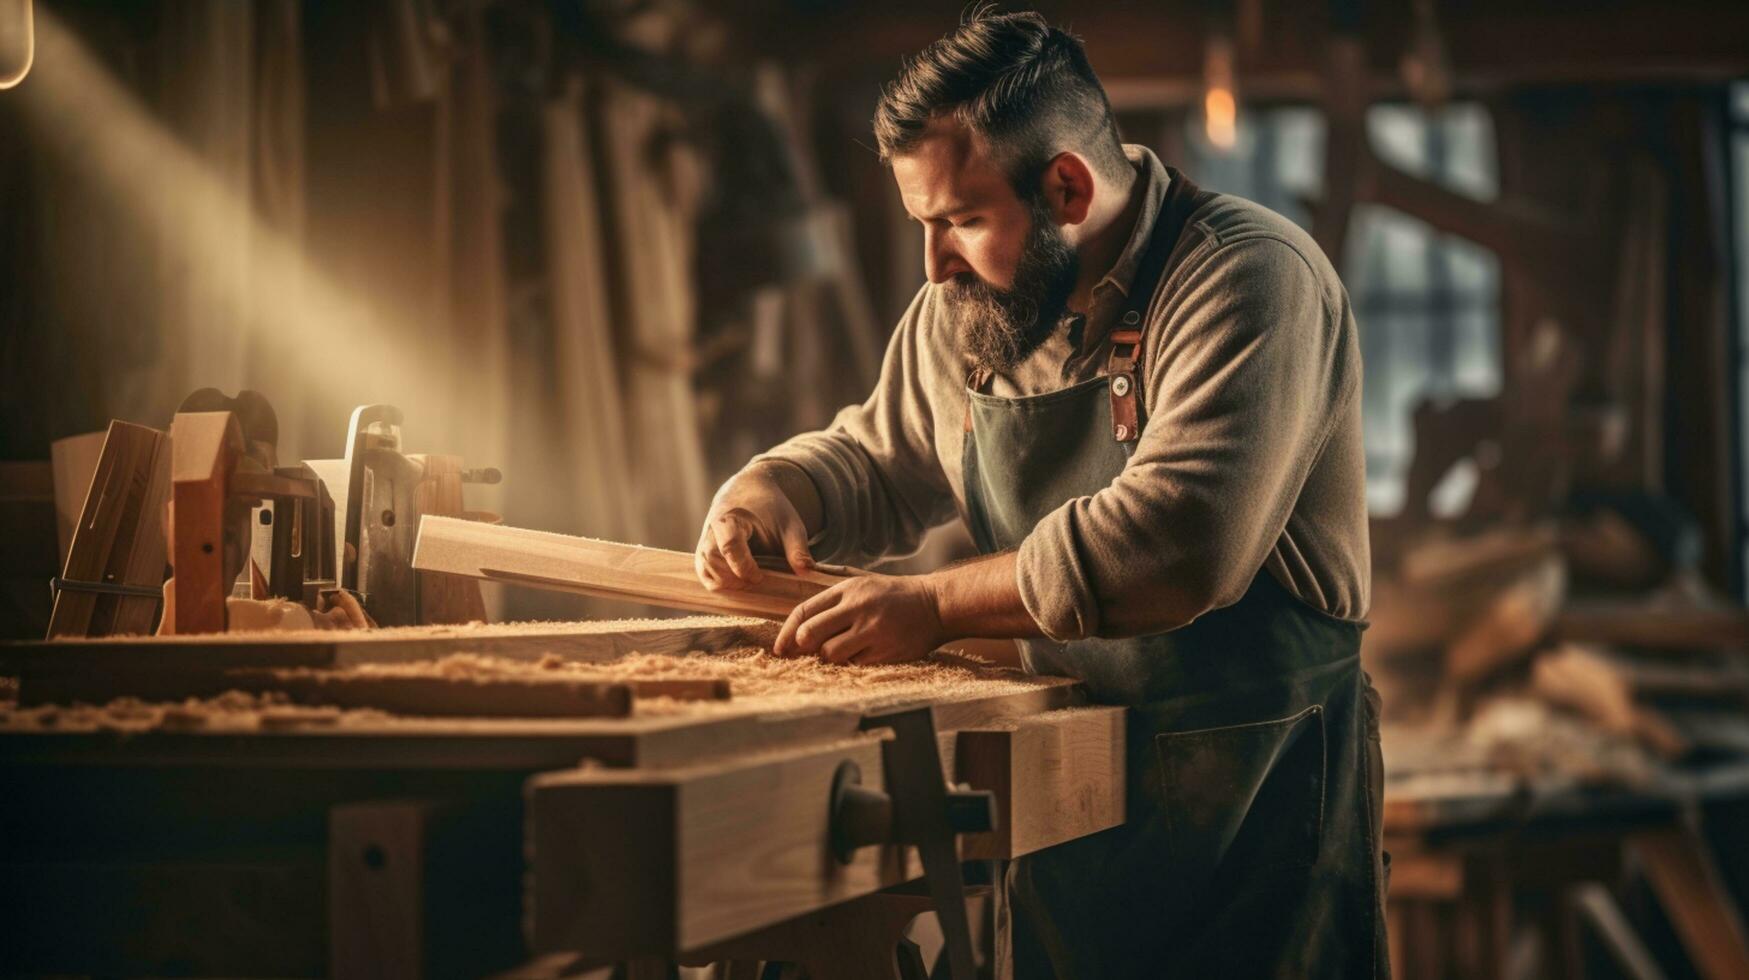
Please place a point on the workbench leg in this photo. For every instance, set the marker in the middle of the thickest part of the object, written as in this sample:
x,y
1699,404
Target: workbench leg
x,y
1680,868
375,856
423,888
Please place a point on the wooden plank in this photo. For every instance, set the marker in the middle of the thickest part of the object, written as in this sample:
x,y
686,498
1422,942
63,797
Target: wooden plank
x,y
1058,776
580,642
205,447
652,742
118,537
600,568
533,696
743,843
74,462
466,697
722,850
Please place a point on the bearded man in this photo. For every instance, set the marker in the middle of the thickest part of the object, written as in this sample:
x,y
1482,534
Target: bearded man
x,y
1143,400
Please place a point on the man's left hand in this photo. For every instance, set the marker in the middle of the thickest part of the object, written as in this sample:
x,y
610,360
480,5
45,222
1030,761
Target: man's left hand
x,y
868,619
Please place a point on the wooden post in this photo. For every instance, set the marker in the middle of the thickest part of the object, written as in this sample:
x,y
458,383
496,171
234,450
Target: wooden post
x,y
205,447
117,537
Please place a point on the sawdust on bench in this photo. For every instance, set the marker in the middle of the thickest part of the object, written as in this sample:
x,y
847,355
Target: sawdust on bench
x,y
233,711
759,683
757,679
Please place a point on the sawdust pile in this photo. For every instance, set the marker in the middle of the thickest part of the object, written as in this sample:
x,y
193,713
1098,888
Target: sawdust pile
x,y
758,680
759,683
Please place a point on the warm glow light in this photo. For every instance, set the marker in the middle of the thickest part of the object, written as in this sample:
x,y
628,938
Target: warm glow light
x,y
1222,113
315,339
17,41
1220,106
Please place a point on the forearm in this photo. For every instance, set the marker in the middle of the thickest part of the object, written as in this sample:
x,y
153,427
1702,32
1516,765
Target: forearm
x,y
795,484
980,598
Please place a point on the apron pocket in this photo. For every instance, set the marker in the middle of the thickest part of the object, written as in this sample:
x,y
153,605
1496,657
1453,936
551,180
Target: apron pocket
x,y
1244,797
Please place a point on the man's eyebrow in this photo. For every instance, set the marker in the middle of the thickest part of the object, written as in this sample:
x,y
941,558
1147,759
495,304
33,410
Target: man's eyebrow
x,y
943,214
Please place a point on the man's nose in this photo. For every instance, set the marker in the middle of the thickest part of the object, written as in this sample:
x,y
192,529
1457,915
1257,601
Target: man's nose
x,y
940,261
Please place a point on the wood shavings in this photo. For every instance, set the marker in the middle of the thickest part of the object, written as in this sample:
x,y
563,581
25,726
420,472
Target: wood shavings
x,y
231,711
758,680
742,681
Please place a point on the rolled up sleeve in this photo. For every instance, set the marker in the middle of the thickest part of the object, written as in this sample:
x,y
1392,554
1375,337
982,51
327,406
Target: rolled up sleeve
x,y
875,468
1245,369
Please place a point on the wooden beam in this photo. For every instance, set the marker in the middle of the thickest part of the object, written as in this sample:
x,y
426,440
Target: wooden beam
x,y
205,447
742,844
1057,776
536,694
425,696
584,641
600,568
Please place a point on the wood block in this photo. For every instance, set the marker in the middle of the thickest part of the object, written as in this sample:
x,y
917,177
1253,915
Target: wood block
x,y
205,447
647,863
725,848
1058,776
118,536
600,568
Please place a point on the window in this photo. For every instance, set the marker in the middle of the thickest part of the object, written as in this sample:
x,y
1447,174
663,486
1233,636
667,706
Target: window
x,y
1428,304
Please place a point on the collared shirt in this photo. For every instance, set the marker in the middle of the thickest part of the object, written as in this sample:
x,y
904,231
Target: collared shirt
x,y
1250,457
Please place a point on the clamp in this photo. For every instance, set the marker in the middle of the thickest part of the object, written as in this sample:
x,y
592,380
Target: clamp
x,y
917,808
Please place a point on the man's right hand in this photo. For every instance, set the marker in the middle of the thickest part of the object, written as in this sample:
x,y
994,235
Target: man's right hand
x,y
751,515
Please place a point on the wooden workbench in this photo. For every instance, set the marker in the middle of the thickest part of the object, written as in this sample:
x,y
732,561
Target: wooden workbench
x,y
356,846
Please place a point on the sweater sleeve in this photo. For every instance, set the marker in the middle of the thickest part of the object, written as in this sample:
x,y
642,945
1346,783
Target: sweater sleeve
x,y
1246,367
881,485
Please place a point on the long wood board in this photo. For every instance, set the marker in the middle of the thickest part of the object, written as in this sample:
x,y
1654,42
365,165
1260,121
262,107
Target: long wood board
x,y
644,742
600,568
580,641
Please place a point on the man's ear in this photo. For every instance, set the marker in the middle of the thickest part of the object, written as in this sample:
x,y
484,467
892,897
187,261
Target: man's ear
x,y
1068,188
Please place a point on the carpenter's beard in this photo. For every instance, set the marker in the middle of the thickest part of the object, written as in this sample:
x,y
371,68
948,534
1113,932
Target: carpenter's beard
x,y
1000,327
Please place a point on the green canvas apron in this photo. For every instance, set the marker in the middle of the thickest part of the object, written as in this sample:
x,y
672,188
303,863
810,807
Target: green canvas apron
x,y
1251,847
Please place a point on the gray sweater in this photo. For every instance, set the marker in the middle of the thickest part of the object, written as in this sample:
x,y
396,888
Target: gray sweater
x,y
1250,457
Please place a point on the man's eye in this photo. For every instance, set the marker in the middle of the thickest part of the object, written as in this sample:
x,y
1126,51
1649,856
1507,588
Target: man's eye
x,y
969,223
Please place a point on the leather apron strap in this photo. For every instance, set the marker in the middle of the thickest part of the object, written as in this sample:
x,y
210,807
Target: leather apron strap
x,y
1123,366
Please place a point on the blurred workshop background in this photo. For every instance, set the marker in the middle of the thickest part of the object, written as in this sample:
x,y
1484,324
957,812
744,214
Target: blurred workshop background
x,y
615,248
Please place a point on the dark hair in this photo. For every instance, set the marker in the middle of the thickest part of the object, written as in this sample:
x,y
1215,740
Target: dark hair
x,y
1023,85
